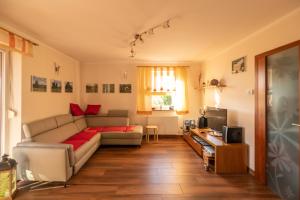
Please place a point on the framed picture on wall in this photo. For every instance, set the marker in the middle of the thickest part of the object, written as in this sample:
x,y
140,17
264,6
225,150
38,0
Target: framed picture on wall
x,y
38,84
125,88
238,65
108,88
55,85
91,88
68,87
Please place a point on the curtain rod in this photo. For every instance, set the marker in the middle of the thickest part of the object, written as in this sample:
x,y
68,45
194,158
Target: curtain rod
x,y
35,44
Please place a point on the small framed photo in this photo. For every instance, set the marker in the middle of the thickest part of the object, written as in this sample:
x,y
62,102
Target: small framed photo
x,y
125,88
68,87
239,65
38,84
108,88
91,88
55,85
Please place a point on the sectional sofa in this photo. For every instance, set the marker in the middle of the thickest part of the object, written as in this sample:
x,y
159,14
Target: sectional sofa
x,y
56,148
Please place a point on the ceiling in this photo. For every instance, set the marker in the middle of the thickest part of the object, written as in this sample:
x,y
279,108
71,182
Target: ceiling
x,y
93,30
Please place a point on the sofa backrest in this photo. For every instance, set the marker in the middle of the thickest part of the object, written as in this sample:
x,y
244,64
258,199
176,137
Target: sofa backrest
x,y
80,122
58,128
93,121
40,126
51,130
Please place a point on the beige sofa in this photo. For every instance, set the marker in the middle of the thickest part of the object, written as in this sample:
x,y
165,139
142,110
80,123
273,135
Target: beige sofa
x,y
42,156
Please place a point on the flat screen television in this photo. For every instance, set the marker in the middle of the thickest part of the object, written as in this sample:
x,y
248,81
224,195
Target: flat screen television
x,y
216,118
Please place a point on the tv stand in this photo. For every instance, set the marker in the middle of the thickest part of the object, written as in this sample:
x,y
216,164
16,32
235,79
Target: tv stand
x,y
229,158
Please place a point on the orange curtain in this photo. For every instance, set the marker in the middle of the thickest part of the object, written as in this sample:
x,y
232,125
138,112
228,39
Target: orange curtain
x,y
14,42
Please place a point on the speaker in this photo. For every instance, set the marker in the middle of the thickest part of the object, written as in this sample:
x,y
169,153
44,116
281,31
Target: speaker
x,y
232,134
202,122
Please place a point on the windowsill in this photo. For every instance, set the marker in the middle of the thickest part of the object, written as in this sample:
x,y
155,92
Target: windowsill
x,y
163,110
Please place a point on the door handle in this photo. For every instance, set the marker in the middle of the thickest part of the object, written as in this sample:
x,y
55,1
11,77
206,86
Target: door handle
x,y
294,124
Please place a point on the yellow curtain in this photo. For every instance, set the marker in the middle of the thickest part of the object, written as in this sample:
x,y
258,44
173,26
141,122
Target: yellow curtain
x,y
144,100
161,81
14,42
181,93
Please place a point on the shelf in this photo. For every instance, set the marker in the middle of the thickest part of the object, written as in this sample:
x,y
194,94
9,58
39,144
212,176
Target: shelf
x,y
220,87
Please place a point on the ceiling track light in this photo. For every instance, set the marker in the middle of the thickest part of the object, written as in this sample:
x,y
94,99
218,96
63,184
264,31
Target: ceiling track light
x,y
150,31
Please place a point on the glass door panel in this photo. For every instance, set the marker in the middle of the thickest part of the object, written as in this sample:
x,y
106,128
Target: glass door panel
x,y
282,164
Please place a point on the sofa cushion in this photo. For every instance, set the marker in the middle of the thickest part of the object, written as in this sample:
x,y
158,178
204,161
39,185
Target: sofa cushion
x,y
81,124
63,119
38,127
114,128
75,109
83,149
92,109
121,135
75,143
83,135
57,135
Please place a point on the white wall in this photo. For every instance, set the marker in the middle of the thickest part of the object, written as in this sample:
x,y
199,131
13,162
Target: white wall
x,y
113,71
235,97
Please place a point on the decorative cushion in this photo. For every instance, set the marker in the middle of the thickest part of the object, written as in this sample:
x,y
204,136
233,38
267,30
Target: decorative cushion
x,y
92,109
76,110
75,143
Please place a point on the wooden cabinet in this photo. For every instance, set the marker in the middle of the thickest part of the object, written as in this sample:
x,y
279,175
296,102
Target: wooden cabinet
x,y
229,158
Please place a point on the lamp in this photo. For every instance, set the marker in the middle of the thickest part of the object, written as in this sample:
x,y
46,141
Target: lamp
x,y
8,177
150,31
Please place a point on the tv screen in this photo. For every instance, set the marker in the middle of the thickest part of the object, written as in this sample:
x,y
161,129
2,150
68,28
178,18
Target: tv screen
x,y
216,118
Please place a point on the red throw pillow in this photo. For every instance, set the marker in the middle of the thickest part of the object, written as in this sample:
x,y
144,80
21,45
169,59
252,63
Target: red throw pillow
x,y
92,109
76,110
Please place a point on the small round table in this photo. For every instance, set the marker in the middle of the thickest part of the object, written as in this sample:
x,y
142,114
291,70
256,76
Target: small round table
x,y
154,129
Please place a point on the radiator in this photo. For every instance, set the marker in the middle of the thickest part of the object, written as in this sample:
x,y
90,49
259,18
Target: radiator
x,y
167,125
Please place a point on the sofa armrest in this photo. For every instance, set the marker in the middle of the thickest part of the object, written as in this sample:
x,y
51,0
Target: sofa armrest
x,y
45,162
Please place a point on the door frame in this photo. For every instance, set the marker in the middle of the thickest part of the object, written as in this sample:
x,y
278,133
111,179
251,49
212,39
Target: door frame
x,y
261,109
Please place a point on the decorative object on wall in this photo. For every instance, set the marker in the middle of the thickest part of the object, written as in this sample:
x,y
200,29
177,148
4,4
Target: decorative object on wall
x,y
125,75
56,68
239,65
125,88
68,87
91,88
38,84
55,85
108,88
140,36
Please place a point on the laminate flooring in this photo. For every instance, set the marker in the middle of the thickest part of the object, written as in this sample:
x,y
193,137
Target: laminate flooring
x,y
166,170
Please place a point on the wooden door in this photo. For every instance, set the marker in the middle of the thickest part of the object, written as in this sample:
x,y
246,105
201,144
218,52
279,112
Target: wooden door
x,y
277,120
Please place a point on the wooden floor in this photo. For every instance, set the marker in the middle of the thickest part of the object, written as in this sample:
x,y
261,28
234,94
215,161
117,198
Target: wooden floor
x,y
167,170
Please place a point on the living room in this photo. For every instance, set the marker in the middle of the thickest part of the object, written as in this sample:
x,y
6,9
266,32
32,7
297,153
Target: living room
x,y
110,53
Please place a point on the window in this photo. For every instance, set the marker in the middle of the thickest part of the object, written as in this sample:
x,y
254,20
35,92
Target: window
x,y
162,88
163,102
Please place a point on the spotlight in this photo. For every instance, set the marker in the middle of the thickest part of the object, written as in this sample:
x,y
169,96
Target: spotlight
x,y
166,24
